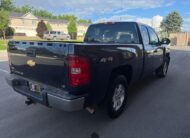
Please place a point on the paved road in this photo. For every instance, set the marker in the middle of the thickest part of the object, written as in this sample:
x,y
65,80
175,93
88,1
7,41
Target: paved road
x,y
157,108
3,55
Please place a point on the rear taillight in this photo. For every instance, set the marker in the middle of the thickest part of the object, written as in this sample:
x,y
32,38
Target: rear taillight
x,y
79,71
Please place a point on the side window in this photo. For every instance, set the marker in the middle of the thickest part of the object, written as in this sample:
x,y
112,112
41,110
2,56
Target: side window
x,y
153,36
62,33
144,33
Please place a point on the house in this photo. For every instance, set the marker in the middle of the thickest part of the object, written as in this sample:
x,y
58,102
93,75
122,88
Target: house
x,y
82,28
26,24
58,25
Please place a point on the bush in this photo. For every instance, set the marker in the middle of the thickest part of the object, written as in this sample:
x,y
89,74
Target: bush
x,y
41,29
9,31
48,26
3,45
73,35
72,29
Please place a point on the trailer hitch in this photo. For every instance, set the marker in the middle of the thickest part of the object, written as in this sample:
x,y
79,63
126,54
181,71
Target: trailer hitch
x,y
29,101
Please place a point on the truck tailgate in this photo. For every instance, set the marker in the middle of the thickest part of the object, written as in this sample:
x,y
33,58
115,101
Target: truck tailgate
x,y
44,62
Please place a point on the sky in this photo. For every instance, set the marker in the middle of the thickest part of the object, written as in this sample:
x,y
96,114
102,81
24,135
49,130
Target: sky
x,y
129,10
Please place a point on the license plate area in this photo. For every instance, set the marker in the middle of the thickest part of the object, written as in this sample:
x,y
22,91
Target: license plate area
x,y
35,87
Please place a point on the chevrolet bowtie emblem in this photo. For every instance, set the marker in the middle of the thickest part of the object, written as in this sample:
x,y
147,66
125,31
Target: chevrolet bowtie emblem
x,y
31,63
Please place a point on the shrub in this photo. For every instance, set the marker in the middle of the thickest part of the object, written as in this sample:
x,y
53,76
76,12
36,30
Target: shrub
x,y
9,31
41,29
48,26
72,29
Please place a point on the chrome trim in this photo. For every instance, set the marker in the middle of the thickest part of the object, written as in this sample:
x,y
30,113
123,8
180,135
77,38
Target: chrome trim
x,y
56,98
64,104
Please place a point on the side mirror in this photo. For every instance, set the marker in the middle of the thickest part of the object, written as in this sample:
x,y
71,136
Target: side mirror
x,y
165,41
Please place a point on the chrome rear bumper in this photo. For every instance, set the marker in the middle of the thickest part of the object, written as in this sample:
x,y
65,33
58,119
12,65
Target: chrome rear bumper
x,y
48,97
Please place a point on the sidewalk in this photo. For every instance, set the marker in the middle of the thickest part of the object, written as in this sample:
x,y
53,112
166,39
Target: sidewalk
x,y
185,48
3,55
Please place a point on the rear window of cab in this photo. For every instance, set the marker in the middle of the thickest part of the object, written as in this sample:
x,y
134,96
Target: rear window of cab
x,y
121,32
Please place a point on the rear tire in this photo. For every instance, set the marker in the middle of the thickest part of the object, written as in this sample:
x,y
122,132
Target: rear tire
x,y
163,70
117,97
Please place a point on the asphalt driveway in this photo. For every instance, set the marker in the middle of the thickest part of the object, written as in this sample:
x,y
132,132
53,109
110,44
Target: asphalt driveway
x,y
157,108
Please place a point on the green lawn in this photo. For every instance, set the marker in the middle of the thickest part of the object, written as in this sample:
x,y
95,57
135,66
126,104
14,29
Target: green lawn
x,y
3,45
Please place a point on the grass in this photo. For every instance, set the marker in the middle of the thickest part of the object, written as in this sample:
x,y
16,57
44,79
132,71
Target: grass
x,y
3,45
24,38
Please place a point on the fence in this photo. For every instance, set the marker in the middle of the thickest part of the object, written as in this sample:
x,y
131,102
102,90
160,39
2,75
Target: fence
x,y
180,39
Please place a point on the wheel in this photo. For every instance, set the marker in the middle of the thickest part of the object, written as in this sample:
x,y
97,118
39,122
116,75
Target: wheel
x,y
163,70
117,96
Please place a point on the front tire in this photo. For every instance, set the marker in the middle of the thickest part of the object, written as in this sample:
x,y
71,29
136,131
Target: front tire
x,y
163,70
117,98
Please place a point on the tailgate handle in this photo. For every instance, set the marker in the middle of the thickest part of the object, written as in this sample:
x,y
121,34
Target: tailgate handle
x,y
31,52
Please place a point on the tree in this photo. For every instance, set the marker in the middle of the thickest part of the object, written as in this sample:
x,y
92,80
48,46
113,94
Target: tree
x,y
173,23
41,29
6,5
9,31
43,13
84,21
24,9
4,21
72,29
67,17
48,26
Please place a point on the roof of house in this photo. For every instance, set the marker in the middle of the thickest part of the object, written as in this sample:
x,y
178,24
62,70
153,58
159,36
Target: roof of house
x,y
16,14
57,21
84,24
23,15
20,15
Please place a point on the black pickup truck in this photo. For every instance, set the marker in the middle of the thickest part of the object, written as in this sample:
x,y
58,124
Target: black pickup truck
x,y
75,76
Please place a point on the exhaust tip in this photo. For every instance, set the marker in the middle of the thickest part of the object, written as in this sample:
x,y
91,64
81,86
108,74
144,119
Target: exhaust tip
x,y
91,110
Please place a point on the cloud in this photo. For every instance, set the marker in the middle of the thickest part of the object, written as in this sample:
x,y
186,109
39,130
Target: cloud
x,y
118,18
154,21
84,8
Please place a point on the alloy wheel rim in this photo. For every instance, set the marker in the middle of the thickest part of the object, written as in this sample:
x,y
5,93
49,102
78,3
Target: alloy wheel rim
x,y
165,68
118,97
